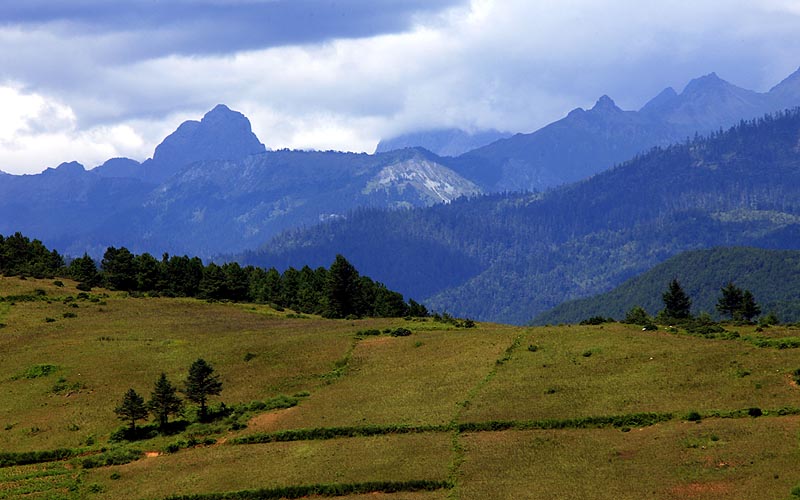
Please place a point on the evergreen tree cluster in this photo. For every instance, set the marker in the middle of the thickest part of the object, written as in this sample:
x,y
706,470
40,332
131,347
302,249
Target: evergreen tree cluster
x,y
21,256
164,401
337,292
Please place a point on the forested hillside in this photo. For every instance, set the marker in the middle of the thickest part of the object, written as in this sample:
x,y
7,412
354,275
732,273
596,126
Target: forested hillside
x,y
336,292
773,276
509,257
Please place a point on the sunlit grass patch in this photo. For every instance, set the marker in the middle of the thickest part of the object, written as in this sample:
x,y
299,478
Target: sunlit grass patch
x,y
716,459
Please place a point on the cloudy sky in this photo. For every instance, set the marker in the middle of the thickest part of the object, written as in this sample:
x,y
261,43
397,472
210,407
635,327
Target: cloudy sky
x,y
88,80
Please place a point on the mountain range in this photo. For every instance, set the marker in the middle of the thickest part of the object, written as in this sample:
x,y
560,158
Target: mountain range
x,y
443,142
586,142
211,188
509,257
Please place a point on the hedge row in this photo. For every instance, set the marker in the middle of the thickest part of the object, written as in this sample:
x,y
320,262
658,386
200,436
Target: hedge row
x,y
327,490
336,432
9,459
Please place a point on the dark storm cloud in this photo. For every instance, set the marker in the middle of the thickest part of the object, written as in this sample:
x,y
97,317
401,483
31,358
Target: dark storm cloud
x,y
184,27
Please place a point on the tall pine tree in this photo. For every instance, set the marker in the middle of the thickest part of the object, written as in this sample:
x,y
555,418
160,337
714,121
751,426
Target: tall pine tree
x,y
164,401
200,384
677,305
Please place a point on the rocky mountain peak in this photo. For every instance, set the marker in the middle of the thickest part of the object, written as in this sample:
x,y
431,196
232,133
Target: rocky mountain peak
x,y
222,134
605,103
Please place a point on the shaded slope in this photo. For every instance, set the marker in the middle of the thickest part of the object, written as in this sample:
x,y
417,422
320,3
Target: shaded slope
x,y
533,252
772,275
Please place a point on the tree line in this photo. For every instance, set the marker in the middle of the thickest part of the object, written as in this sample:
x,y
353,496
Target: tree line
x,y
733,302
339,291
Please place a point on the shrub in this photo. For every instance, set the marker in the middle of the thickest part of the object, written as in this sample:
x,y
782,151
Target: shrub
x,y
249,356
401,332
596,320
113,457
36,371
70,315
533,348
694,416
84,287
637,316
368,333
754,412
58,283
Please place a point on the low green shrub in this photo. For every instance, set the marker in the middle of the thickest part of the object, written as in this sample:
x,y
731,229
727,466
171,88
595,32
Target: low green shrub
x,y
118,456
36,371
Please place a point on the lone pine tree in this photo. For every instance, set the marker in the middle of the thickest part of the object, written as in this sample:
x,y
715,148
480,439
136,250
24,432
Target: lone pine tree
x,y
201,383
677,305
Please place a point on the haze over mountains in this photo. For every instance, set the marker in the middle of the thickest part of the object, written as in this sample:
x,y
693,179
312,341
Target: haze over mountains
x,y
212,188
508,257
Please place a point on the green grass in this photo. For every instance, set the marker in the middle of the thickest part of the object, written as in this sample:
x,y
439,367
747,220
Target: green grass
x,y
631,371
591,412
391,381
233,468
720,459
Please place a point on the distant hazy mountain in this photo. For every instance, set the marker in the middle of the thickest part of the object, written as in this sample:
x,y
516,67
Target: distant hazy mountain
x,y
772,275
511,257
586,142
222,134
212,188
443,142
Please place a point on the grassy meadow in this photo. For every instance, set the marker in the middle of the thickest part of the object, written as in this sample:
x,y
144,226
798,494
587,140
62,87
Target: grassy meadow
x,y
492,411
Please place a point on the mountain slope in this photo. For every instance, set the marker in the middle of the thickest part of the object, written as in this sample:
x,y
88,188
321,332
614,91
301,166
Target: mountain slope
x,y
530,252
772,275
443,142
211,188
586,142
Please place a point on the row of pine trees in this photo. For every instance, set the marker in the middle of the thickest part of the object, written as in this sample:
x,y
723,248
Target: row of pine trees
x,y
336,292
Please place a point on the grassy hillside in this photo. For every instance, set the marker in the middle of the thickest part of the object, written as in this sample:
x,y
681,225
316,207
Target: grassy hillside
x,y
493,411
772,275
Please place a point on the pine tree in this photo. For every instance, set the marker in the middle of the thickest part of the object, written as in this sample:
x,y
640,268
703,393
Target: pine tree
x,y
201,383
749,309
131,409
730,302
164,401
342,290
677,305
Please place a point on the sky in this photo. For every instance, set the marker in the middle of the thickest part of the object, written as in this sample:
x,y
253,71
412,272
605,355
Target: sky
x,y
89,80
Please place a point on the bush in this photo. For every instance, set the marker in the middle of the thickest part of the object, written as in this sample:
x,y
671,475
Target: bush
x,y
368,333
36,371
754,412
694,416
533,348
637,316
113,457
401,332
84,287
596,320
